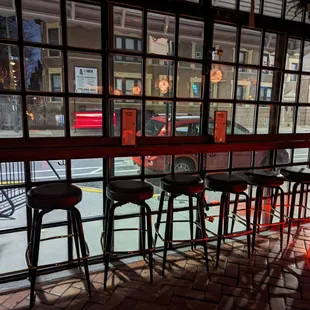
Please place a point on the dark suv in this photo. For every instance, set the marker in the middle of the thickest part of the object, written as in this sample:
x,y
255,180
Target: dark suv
x,y
189,126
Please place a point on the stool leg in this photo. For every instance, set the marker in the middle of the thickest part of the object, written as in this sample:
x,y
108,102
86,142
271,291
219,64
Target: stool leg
x,y
76,238
77,216
274,204
300,203
290,220
220,227
35,255
149,238
142,231
171,227
234,213
260,209
160,211
257,203
191,220
248,222
226,215
167,232
203,229
281,217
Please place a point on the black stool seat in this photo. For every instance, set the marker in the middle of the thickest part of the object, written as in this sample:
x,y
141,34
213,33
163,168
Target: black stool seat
x,y
129,190
296,174
182,184
264,178
54,196
228,183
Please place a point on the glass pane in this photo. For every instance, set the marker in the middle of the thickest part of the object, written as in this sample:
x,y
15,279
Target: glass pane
x,y
115,119
83,25
287,119
225,4
127,23
303,120
160,34
291,12
191,33
186,163
216,161
12,173
126,76
245,118
84,73
241,159
189,80
247,84
304,95
41,23
306,57
224,43
85,116
45,116
293,54
214,106
87,168
246,6
8,25
159,77
156,164
250,44
92,202
222,79
124,166
263,159
10,117
158,118
15,247
188,115
39,68
269,80
289,88
301,155
269,49
9,67
263,119
273,8
48,170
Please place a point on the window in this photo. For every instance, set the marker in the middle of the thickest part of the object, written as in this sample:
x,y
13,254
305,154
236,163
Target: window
x,y
265,93
55,84
242,60
293,77
240,92
53,38
126,85
129,44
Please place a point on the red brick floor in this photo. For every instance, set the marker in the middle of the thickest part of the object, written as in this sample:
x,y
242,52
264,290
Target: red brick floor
x,y
269,280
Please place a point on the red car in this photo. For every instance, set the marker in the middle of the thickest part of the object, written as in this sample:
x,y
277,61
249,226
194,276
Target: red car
x,y
189,126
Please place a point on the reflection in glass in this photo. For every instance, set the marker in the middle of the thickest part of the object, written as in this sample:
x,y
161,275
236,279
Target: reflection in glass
x,y
250,46
293,54
127,29
126,76
303,120
10,117
287,119
241,159
224,39
289,87
263,119
84,73
87,168
159,77
158,118
84,29
304,94
191,33
244,122
247,84
48,170
85,116
9,67
8,25
214,106
216,161
45,116
36,78
269,49
124,166
189,80
222,79
115,118
160,34
157,164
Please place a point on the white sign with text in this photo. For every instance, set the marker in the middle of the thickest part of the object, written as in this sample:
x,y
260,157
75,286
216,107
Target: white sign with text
x,y
86,80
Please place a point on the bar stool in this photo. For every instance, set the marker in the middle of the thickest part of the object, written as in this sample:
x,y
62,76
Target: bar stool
x,y
125,192
300,177
175,186
230,184
44,199
266,179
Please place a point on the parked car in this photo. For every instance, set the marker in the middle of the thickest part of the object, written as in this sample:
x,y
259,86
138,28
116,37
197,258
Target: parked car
x,y
190,126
